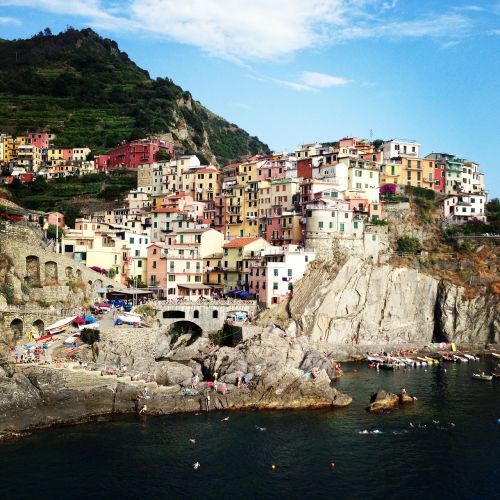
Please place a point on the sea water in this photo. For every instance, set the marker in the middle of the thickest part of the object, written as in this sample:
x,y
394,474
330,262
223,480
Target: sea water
x,y
444,445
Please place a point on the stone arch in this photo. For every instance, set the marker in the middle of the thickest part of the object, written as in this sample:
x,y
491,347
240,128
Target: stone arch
x,y
16,327
178,328
32,269
215,314
51,272
173,314
69,272
196,314
39,325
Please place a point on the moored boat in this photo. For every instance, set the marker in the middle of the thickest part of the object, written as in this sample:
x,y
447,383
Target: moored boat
x,y
495,355
386,366
482,376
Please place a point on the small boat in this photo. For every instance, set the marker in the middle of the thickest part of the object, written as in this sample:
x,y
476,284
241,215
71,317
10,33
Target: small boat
x,y
433,361
377,359
423,361
471,357
461,359
130,319
72,338
386,366
60,326
495,355
482,376
91,326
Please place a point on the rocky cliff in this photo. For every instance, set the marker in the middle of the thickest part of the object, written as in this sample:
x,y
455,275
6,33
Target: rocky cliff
x,y
359,303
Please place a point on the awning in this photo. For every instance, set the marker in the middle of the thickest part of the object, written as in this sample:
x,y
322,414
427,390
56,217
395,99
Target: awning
x,y
195,287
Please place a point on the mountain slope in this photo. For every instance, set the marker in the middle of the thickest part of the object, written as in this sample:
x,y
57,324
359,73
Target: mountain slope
x,y
85,90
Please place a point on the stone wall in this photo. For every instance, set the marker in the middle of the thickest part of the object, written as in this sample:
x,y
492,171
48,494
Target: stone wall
x,y
373,241
209,316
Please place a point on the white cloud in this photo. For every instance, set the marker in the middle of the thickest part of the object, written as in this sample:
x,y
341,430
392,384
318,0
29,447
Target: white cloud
x,y
243,30
321,80
311,81
10,20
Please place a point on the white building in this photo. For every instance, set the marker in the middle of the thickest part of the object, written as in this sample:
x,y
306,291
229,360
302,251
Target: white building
x,y
463,207
400,147
79,154
272,279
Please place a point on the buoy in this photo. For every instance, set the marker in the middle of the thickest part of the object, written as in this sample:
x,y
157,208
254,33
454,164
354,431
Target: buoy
x,y
273,466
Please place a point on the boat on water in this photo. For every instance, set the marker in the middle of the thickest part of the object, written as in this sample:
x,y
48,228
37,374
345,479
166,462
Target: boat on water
x,y
495,375
495,355
471,357
376,359
60,326
461,359
482,376
432,361
386,366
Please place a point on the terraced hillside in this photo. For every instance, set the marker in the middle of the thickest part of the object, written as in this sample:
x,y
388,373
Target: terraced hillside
x,y
88,92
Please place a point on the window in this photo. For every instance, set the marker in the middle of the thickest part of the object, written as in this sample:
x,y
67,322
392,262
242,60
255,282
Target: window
x,y
356,225
320,225
197,279
375,207
131,240
154,264
330,225
290,272
171,277
196,314
346,215
215,314
275,285
341,228
275,272
139,263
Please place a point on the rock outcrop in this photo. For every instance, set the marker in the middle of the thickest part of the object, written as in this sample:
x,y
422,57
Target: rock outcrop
x,y
282,373
359,303
385,402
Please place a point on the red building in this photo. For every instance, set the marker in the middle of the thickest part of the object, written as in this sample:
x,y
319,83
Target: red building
x,y
101,162
304,168
135,153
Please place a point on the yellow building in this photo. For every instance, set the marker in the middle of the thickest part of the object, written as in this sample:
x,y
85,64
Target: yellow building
x,y
391,173
418,172
237,257
242,193
8,148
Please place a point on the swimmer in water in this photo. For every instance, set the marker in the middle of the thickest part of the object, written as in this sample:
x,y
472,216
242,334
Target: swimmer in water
x,y
196,465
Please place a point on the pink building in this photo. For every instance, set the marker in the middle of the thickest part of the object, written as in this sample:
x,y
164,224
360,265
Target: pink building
x,y
55,218
38,139
156,266
135,153
362,208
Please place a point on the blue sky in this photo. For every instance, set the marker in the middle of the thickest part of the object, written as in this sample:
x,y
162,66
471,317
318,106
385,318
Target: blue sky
x,y
298,71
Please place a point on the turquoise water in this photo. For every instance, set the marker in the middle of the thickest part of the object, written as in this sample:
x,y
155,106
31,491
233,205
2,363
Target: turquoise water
x,y
152,457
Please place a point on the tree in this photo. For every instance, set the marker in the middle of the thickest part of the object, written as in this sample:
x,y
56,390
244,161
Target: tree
x,y
52,231
408,244
91,336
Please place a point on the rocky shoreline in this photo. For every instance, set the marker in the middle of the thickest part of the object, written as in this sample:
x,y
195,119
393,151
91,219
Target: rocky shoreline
x,y
282,373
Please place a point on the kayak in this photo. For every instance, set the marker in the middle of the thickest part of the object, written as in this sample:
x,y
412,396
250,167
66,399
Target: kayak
x,y
60,326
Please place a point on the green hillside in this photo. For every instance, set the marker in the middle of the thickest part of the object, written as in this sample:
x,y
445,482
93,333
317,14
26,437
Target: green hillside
x,y
86,91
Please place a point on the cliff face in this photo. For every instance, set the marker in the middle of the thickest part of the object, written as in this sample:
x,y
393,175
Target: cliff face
x,y
360,303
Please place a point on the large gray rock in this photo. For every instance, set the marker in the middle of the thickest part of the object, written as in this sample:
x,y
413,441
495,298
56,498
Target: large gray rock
x,y
172,373
363,304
